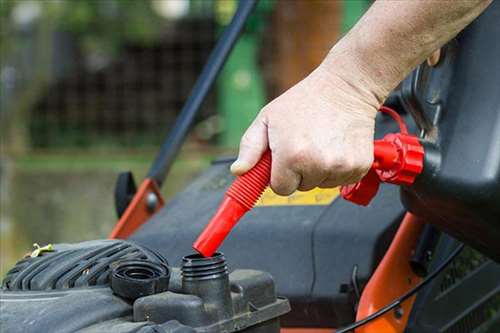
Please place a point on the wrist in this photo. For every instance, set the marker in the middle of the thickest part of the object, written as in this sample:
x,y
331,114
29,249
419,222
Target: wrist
x,y
371,78
343,72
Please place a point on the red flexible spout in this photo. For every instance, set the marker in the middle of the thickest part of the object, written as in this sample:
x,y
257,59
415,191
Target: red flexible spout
x,y
239,199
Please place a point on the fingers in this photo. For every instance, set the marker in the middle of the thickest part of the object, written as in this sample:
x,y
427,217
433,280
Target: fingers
x,y
284,180
346,171
337,179
297,168
302,167
315,139
329,183
312,174
253,144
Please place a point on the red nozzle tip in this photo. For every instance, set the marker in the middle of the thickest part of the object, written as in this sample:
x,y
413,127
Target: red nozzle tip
x,y
240,198
228,214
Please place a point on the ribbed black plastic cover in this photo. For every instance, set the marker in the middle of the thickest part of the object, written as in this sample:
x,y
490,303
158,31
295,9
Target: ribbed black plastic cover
x,y
73,265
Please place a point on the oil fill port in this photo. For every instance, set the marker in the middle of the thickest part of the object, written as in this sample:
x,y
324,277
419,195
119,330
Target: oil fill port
x,y
208,278
205,297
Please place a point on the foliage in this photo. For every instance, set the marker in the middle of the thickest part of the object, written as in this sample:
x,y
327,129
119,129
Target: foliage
x,y
101,25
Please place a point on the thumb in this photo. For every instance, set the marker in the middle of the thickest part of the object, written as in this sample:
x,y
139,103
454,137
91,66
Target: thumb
x,y
252,145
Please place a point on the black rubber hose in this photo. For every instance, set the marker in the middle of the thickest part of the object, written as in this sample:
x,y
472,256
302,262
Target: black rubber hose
x,y
214,64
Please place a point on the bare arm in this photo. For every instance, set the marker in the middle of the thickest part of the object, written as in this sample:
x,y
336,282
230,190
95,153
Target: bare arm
x,y
320,131
393,37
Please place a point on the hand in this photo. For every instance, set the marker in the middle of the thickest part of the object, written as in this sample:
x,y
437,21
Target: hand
x,y
320,133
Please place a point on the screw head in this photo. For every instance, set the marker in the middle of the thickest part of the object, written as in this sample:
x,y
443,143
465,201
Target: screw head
x,y
151,202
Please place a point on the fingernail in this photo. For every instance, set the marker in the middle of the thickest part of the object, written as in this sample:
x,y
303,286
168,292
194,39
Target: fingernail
x,y
239,167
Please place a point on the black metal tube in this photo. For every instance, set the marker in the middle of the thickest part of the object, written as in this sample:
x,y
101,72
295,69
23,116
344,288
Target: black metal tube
x,y
215,62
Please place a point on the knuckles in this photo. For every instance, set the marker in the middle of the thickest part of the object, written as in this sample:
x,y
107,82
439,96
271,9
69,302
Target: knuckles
x,y
316,165
327,161
358,164
298,155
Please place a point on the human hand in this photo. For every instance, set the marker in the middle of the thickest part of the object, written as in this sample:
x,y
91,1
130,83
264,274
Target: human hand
x,y
320,133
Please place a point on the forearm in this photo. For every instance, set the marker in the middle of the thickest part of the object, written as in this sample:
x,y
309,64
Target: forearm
x,y
392,38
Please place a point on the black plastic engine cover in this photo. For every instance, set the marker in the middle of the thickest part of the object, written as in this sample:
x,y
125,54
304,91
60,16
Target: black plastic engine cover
x,y
67,289
33,300
70,266
457,104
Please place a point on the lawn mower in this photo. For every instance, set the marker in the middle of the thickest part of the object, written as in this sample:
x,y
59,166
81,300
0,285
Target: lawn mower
x,y
413,247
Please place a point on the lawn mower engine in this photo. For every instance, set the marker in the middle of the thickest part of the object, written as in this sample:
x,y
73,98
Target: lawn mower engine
x,y
118,286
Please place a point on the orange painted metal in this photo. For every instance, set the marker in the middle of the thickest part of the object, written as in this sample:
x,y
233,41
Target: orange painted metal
x,y
392,278
138,211
307,330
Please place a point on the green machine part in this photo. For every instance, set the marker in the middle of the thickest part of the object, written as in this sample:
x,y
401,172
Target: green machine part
x,y
240,87
352,10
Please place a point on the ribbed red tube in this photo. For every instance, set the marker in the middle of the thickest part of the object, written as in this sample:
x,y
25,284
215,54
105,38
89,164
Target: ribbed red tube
x,y
248,188
239,199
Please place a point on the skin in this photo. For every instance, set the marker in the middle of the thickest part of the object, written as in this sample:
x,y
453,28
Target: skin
x,y
320,131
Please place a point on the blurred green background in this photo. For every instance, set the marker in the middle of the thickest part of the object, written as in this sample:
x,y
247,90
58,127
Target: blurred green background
x,y
90,88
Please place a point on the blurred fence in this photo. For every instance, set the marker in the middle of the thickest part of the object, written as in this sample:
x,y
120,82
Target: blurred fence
x,y
85,73
133,100
103,72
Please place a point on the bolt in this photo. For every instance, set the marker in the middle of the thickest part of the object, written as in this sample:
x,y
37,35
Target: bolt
x,y
428,256
399,312
151,202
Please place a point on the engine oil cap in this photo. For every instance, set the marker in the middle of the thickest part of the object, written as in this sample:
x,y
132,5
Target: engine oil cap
x,y
135,278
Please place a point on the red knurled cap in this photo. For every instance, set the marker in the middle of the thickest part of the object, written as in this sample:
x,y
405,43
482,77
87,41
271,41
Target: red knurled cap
x,y
410,161
399,159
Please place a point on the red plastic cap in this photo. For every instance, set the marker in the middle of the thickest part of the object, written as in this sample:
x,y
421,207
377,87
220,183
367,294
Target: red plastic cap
x,y
398,159
409,163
